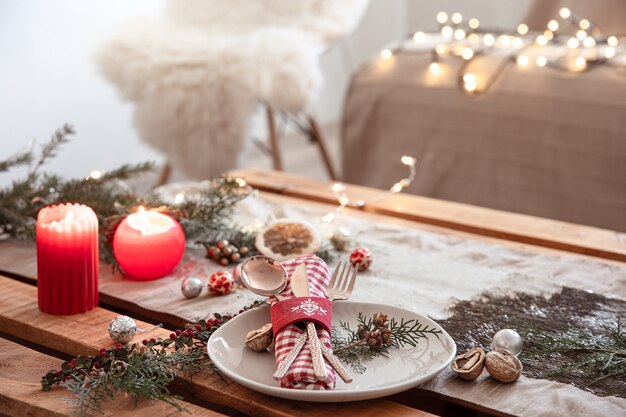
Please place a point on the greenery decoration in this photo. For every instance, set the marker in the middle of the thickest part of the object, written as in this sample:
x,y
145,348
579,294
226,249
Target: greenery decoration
x,y
107,195
141,370
374,337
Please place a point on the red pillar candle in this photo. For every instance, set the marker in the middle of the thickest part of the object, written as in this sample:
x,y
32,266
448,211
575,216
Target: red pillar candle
x,y
148,245
67,259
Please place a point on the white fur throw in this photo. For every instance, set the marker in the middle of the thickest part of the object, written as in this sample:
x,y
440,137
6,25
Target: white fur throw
x,y
197,76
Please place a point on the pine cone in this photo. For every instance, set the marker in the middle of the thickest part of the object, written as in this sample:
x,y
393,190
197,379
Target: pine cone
x,y
380,319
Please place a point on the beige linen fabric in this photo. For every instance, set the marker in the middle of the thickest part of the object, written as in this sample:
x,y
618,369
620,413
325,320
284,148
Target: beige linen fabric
x,y
540,141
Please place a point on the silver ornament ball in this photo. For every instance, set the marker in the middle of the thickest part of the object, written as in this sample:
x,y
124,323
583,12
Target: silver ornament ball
x,y
122,329
508,340
191,287
341,239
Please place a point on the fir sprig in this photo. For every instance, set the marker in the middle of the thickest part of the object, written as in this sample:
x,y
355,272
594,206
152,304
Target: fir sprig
x,y
374,337
142,370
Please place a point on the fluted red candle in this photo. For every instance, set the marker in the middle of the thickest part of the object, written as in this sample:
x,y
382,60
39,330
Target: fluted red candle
x,y
67,259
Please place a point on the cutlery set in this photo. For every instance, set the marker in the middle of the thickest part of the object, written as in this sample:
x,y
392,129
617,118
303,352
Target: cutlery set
x,y
266,276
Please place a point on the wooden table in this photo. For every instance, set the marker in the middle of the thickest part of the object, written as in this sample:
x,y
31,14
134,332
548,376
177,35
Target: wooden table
x,y
31,343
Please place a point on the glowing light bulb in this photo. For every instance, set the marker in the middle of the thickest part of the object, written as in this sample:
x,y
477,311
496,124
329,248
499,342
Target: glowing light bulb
x,y
180,197
548,34
434,68
408,160
96,175
541,40
473,23
459,34
473,37
523,60
584,24
468,77
573,43
386,54
447,31
397,187
457,18
565,13
522,29
581,34
612,41
338,187
517,42
504,40
467,53
241,182
580,63
589,42
419,37
470,86
553,25
441,49
489,39
442,17
541,61
609,52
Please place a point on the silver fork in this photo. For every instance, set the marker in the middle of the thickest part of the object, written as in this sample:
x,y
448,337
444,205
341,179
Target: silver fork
x,y
339,288
342,282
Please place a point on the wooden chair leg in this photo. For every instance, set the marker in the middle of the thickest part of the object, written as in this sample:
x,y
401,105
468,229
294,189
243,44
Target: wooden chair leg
x,y
316,134
271,127
165,174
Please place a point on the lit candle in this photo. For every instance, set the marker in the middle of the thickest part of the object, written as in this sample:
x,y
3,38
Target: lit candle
x,y
67,259
148,245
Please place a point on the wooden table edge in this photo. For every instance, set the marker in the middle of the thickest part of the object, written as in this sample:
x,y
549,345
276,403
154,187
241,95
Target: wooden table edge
x,y
554,234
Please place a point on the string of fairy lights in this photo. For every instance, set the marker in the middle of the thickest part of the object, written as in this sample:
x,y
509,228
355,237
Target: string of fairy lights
x,y
580,43
340,190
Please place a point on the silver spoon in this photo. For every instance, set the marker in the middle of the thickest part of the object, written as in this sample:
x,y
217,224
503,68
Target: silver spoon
x,y
264,276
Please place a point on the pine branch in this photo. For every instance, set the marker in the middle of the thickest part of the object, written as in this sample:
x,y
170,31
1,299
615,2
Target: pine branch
x,y
24,158
49,149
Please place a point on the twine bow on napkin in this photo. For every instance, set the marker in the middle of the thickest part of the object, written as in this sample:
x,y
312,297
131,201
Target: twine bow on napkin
x,y
301,375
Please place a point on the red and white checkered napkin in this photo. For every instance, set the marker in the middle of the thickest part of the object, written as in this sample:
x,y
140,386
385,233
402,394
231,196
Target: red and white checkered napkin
x,y
300,375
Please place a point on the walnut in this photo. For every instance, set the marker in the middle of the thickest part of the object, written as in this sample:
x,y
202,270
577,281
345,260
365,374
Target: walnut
x,y
287,238
469,365
503,366
260,339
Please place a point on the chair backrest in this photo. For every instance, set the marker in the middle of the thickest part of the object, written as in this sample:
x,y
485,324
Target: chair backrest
x,y
326,19
608,15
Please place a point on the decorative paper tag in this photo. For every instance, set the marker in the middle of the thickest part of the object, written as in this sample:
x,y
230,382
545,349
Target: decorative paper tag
x,y
315,309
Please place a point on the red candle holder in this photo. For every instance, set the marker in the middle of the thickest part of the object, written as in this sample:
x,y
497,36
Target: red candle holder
x,y
67,259
148,245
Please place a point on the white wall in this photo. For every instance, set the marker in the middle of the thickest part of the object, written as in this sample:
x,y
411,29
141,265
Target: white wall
x,y
47,76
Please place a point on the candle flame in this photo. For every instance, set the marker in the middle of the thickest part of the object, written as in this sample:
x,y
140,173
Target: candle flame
x,y
149,223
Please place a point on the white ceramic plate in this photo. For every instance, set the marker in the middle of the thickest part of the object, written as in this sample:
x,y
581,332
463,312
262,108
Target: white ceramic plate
x,y
404,369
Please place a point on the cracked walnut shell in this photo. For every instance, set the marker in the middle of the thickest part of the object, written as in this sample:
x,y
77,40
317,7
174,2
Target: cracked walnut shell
x,y
284,239
503,366
469,365
260,339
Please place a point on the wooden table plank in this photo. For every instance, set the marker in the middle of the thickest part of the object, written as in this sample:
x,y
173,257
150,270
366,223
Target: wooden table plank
x,y
473,219
21,370
86,334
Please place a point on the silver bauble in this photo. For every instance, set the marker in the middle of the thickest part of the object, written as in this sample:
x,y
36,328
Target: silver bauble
x,y
191,287
341,239
508,340
122,329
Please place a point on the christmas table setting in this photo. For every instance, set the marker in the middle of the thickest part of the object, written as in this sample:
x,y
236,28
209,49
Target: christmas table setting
x,y
312,292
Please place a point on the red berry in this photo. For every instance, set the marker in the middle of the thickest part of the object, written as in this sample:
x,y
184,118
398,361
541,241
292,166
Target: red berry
x,y
57,373
96,365
118,346
198,327
173,336
218,322
144,342
103,352
178,332
153,340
